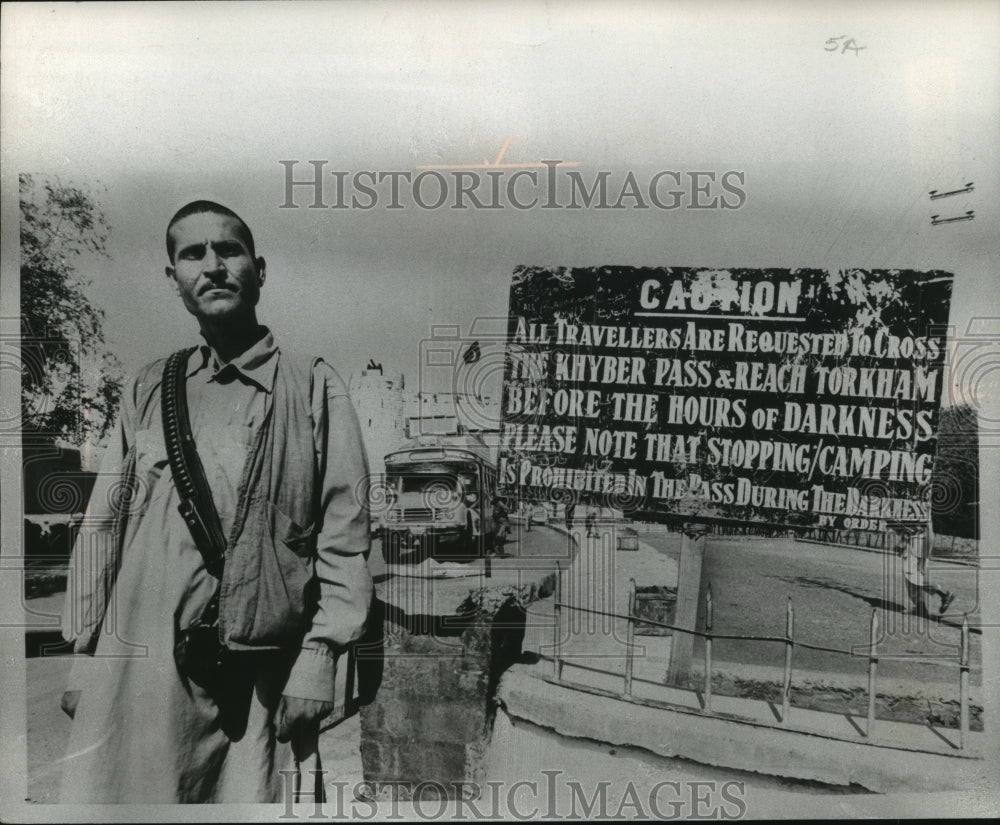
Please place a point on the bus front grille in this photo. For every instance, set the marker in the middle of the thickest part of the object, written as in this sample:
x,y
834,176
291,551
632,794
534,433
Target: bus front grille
x,y
418,514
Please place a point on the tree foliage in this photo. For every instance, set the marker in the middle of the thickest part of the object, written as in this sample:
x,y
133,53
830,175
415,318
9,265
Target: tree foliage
x,y
70,382
955,478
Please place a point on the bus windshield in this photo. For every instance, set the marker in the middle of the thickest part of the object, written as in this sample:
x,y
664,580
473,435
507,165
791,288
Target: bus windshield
x,y
424,479
424,482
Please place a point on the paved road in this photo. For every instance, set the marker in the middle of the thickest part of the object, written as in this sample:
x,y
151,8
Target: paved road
x,y
539,542
834,591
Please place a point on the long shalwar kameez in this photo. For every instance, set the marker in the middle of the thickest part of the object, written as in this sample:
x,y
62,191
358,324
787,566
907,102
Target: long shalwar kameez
x,y
142,733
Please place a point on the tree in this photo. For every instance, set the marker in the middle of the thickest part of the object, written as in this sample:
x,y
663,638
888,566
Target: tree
x,y
955,478
70,382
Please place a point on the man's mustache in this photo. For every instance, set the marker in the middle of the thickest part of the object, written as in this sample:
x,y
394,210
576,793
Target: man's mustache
x,y
217,285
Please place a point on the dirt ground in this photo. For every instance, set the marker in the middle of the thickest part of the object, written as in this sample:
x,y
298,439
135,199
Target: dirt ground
x,y
833,591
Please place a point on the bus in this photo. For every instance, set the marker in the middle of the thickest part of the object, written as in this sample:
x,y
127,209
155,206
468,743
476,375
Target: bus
x,y
437,496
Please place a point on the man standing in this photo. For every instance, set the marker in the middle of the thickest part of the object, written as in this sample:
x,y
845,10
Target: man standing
x,y
916,542
501,523
283,461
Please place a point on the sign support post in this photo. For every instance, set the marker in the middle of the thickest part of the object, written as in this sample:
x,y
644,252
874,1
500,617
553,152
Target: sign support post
x,y
688,591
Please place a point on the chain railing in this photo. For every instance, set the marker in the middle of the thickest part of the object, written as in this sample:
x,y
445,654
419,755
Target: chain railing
x,y
788,639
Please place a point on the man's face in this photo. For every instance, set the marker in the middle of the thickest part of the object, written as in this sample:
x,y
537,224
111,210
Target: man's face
x,y
213,271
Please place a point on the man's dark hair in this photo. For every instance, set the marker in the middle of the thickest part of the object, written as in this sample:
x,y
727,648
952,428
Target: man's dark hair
x,y
211,207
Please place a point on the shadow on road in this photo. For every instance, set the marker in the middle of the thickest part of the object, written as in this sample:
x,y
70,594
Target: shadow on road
x,y
875,602
872,601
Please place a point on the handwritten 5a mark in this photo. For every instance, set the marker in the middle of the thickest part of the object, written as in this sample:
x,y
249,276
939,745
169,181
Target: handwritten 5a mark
x,y
849,44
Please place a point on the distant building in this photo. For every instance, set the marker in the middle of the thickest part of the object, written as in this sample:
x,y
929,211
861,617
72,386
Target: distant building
x,y
378,400
392,417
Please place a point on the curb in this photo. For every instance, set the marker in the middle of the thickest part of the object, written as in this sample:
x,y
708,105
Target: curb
x,y
766,749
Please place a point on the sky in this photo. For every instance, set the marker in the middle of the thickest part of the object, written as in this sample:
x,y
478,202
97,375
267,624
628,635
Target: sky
x,y
154,105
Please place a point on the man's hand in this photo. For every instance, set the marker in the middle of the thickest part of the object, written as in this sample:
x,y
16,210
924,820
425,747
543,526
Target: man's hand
x,y
70,699
294,714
